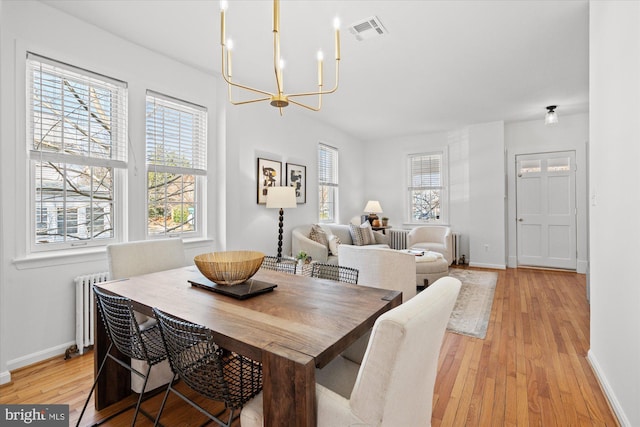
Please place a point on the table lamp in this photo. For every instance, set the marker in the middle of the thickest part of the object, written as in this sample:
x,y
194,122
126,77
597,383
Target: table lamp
x,y
281,198
373,207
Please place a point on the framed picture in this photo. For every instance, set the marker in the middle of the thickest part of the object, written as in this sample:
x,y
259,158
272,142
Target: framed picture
x,y
297,178
269,175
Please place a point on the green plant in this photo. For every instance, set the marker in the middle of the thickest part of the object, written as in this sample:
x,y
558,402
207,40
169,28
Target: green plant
x,y
301,255
384,218
180,215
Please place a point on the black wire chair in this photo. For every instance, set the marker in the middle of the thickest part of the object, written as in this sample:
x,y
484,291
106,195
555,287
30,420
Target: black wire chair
x,y
206,368
125,334
285,264
335,272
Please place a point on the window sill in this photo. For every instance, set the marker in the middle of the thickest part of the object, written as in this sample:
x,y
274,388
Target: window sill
x,y
77,256
424,224
62,257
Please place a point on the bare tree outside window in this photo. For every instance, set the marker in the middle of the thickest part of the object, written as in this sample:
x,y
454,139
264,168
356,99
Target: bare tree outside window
x,y
77,134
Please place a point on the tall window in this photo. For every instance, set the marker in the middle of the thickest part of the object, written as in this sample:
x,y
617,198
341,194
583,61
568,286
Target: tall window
x,y
327,183
176,165
426,189
77,149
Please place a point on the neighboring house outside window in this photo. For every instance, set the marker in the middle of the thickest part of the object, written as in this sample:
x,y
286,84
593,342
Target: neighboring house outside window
x,y
77,150
176,166
426,190
327,183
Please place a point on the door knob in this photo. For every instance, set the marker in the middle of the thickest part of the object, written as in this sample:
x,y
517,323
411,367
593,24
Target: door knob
x,y
520,219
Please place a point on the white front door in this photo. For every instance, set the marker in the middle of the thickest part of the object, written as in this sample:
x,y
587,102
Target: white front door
x,y
546,209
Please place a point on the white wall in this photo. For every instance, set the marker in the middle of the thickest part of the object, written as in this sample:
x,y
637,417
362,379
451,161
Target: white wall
x,y
258,131
475,181
614,229
37,294
569,134
487,196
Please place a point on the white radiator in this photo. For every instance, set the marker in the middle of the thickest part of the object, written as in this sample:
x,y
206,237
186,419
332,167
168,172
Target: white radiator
x,y
456,248
85,315
398,238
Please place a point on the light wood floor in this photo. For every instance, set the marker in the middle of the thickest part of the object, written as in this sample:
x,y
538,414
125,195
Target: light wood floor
x,y
531,370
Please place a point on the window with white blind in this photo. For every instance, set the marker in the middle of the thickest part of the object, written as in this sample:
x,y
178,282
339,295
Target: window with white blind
x,y
176,135
327,183
426,189
77,149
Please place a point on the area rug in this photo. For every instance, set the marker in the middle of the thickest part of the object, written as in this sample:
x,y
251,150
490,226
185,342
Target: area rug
x,y
471,313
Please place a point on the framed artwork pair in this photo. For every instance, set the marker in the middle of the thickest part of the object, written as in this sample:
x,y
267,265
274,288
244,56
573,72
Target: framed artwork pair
x,y
270,175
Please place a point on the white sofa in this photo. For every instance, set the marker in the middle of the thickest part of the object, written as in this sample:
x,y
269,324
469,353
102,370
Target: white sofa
x,y
300,241
435,238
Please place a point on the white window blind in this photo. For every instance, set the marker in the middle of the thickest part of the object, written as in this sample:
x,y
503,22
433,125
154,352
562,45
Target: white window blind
x,y
75,114
327,182
426,171
176,135
76,142
425,187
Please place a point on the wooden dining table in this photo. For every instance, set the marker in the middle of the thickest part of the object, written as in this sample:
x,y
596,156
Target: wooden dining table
x,y
301,325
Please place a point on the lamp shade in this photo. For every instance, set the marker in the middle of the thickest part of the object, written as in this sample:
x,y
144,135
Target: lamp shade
x,y
373,206
281,197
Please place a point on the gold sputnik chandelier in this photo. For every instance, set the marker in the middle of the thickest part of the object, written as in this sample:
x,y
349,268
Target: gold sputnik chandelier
x,y
279,98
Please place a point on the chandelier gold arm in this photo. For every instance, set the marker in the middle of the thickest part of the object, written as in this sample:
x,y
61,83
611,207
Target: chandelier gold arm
x,y
279,99
321,92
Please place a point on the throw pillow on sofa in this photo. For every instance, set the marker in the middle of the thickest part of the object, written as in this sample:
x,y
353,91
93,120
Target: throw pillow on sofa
x,y
367,233
334,242
362,235
317,234
356,235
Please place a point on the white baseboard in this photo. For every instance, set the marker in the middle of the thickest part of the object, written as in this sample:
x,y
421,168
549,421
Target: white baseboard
x,y
481,265
611,397
5,377
512,262
38,356
582,266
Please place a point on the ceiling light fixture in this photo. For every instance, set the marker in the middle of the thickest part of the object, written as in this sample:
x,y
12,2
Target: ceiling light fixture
x,y
551,117
278,98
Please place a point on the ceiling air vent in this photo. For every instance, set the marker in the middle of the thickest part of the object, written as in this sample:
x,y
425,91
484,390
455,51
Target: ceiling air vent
x,y
368,28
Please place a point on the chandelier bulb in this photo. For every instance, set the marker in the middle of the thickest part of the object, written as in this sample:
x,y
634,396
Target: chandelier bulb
x,y
224,4
320,55
336,23
229,44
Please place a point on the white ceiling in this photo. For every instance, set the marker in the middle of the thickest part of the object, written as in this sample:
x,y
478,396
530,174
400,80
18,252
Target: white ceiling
x,y
443,65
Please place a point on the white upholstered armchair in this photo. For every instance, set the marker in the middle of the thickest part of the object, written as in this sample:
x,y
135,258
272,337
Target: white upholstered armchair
x,y
435,238
382,268
394,385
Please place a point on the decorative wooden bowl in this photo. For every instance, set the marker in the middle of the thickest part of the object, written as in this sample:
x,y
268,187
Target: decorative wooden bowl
x,y
229,268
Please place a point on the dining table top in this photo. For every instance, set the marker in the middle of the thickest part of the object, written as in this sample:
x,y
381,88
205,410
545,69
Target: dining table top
x,y
310,316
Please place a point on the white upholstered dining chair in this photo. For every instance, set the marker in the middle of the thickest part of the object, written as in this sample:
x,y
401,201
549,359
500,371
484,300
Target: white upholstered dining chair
x,y
394,385
143,257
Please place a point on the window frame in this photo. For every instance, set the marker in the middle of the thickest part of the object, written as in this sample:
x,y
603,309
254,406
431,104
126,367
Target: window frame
x,y
333,185
116,162
199,170
443,188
